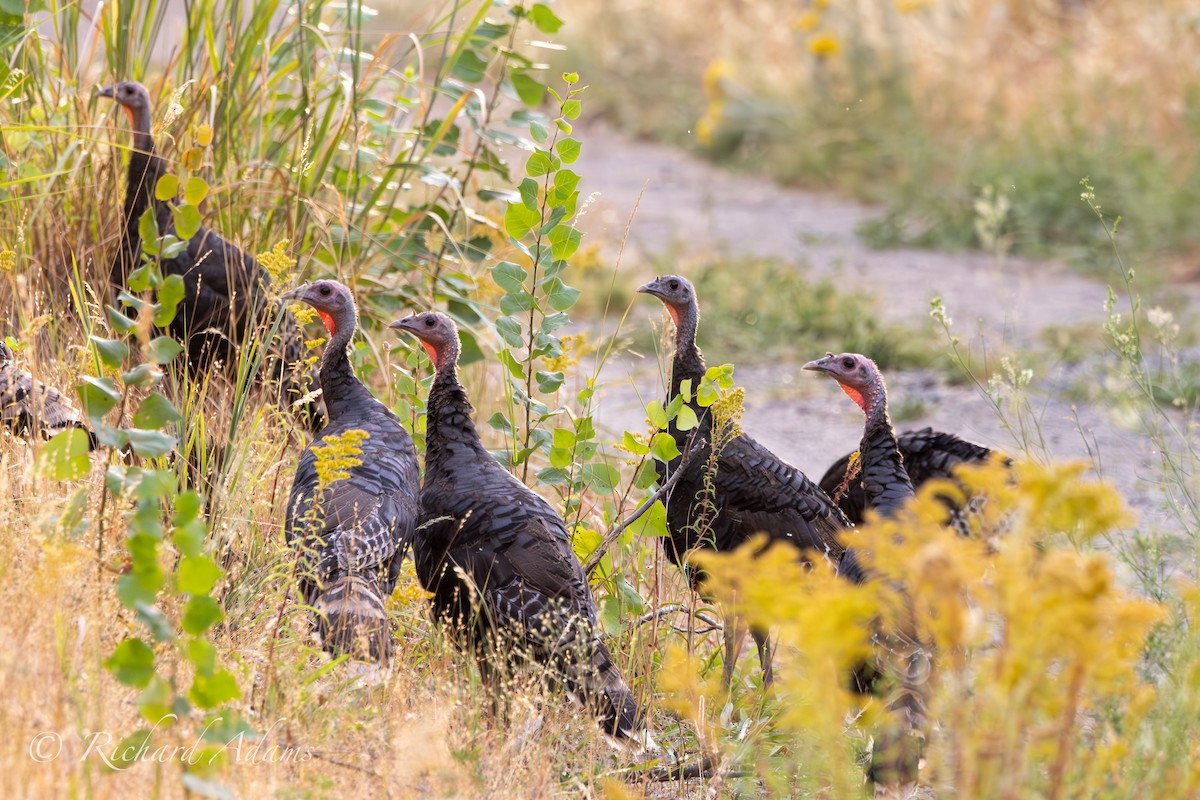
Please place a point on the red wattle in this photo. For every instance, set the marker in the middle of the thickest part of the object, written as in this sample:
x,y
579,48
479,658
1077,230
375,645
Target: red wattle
x,y
855,395
330,325
433,353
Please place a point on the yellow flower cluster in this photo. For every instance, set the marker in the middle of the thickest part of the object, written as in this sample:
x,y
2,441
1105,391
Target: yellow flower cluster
x,y
8,259
716,70
1027,632
278,262
574,347
337,456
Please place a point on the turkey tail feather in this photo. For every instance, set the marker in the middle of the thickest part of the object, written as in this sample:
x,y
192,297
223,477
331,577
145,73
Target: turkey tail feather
x,y
351,619
606,692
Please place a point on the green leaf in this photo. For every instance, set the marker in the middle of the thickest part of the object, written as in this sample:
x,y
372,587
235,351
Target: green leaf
x,y
560,458
565,182
529,90
515,302
509,329
166,188
647,476
509,276
156,699
169,295
540,163
65,456
515,368
568,149
559,295
200,614
685,390
210,691
631,443
663,447
154,412
500,423
520,220
564,241
132,663
142,375
601,477
202,655
196,189
657,415
197,574
529,194
570,78
163,350
549,382
150,444
121,323
538,131
571,110
187,221
544,18
469,68
148,231
154,620
686,420
98,396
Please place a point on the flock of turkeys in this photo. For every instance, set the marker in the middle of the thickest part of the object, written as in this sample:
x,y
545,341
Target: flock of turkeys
x,y
495,556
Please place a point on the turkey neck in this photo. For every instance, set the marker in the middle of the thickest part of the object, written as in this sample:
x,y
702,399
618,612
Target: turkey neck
x,y
340,388
884,478
144,168
448,412
688,363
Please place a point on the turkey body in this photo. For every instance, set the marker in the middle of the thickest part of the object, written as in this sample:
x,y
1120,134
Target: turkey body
x,y
498,561
926,454
226,293
29,407
720,503
352,535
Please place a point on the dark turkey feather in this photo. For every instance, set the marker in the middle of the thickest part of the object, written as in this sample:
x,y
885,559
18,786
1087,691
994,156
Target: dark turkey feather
x,y
498,559
29,407
927,454
352,535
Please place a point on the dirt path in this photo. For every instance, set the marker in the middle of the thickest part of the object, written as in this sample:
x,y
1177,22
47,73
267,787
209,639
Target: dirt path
x,y
690,206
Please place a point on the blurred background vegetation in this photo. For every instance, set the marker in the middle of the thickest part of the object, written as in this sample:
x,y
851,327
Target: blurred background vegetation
x,y
972,121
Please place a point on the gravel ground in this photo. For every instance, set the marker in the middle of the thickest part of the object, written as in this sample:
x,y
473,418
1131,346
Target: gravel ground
x,y
688,206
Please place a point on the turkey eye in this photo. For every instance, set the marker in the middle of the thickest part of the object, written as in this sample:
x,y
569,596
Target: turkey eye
x,y
848,363
429,323
325,290
674,284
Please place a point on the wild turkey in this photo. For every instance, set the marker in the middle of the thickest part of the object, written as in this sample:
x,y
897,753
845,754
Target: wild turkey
x,y
226,293
352,536
754,491
29,407
498,559
886,488
927,454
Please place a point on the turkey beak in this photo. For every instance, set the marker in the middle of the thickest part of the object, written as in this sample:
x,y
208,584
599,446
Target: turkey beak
x,y
108,91
400,324
294,294
820,365
648,288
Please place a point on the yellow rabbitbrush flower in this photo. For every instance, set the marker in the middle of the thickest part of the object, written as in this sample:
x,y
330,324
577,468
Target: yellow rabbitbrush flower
x,y
337,456
824,45
1034,677
823,625
277,262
